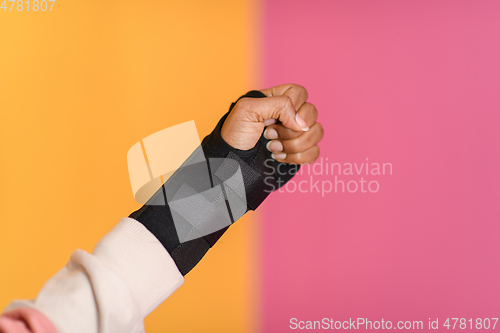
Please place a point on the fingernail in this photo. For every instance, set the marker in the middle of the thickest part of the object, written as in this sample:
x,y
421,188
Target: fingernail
x,y
280,156
301,122
268,122
274,145
270,134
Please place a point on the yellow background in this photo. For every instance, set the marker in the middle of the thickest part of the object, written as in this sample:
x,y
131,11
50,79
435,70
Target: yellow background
x,y
78,87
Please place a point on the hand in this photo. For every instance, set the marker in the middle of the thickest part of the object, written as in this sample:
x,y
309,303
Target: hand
x,y
290,121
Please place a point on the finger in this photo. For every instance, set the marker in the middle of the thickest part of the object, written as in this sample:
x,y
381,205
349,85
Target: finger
x,y
299,144
279,131
277,107
305,157
308,112
295,92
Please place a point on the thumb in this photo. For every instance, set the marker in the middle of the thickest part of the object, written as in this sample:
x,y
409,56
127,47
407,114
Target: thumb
x,y
278,108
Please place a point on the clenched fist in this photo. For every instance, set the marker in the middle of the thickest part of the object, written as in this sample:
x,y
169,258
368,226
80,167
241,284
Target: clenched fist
x,y
288,119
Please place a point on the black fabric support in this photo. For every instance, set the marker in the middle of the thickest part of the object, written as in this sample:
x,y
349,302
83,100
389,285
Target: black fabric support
x,y
261,175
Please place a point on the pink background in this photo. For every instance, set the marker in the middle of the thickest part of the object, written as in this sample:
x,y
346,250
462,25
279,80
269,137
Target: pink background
x,y
415,84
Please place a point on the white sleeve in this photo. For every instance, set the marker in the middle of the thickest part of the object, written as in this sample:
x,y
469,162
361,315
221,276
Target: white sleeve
x,y
113,289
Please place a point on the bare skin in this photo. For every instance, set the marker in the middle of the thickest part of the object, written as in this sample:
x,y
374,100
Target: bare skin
x,y
289,122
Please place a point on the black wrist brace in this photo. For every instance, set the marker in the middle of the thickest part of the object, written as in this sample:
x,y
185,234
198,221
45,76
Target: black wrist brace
x,y
214,187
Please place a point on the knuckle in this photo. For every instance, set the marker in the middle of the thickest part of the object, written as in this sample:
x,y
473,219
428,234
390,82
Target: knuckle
x,y
303,91
247,109
320,130
314,112
315,153
311,109
286,101
242,105
310,112
308,140
287,109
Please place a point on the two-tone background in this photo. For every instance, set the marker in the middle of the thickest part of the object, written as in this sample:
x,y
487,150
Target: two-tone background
x,y
411,83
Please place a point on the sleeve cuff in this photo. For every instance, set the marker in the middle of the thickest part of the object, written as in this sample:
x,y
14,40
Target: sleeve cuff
x,y
140,259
